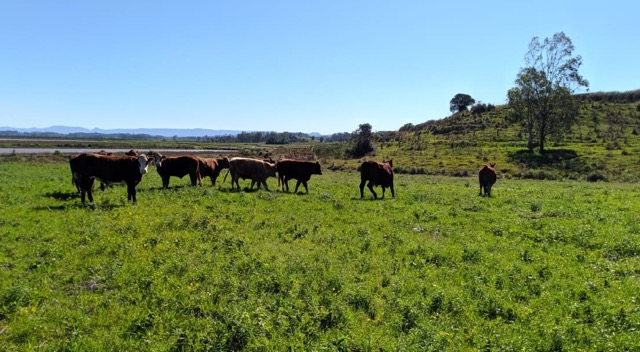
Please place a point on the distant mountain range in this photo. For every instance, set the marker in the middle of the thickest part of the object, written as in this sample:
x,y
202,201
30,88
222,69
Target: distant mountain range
x,y
164,132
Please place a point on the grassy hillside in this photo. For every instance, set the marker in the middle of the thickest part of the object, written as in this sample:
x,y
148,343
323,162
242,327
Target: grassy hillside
x,y
603,145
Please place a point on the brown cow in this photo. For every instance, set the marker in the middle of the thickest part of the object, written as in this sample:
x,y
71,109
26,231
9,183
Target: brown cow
x,y
378,174
487,177
296,169
178,166
256,170
211,168
88,167
131,152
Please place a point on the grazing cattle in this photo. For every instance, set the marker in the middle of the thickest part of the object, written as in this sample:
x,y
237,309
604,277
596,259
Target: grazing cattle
x,y
211,167
298,170
256,170
178,166
88,167
487,177
131,152
378,174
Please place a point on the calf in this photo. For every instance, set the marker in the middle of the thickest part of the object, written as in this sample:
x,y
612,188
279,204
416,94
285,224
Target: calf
x,y
378,174
178,166
86,168
211,167
256,170
487,177
298,170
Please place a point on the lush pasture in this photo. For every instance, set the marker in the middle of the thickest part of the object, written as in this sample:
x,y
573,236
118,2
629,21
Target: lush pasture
x,y
543,265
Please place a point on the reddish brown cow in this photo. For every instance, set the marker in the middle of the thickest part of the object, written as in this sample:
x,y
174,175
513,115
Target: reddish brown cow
x,y
88,167
131,152
487,177
296,169
256,170
211,167
178,166
378,174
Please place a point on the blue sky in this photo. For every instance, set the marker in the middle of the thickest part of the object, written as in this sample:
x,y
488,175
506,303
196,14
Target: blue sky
x,y
311,66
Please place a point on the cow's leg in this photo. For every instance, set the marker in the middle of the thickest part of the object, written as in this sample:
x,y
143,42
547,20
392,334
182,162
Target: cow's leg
x,y
297,185
362,187
194,178
383,190
286,183
370,185
131,192
165,182
393,193
265,185
90,189
90,194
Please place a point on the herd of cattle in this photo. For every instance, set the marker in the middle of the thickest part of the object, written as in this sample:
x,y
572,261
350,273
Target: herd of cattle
x,y
129,168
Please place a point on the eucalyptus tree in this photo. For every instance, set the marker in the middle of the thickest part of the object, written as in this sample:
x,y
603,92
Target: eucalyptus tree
x,y
542,99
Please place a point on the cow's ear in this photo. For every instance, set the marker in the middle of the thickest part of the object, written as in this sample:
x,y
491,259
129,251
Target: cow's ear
x,y
493,165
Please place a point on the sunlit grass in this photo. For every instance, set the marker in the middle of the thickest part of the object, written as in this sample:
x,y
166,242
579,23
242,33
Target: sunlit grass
x,y
542,265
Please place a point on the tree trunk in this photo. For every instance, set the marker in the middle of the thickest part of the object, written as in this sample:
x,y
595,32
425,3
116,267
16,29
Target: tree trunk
x,y
543,131
530,141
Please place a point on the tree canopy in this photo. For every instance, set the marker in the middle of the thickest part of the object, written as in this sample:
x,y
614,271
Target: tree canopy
x,y
361,141
460,102
542,99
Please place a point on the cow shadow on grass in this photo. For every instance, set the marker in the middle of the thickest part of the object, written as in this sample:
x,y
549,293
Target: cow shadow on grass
x,y
72,201
57,195
78,205
369,199
244,189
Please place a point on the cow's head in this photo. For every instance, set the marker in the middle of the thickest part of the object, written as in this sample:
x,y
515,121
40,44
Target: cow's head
x,y
143,163
390,162
157,159
223,163
316,168
271,169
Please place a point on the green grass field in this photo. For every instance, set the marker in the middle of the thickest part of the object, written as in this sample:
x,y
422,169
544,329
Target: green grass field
x,y
540,266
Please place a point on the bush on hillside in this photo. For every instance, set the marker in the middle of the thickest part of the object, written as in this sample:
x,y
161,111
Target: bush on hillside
x,y
596,176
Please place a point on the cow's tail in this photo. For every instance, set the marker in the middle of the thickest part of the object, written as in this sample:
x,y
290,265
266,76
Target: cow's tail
x,y
225,177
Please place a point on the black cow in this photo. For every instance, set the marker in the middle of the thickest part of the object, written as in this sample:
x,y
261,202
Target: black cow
x,y
178,166
378,174
298,170
487,177
86,168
